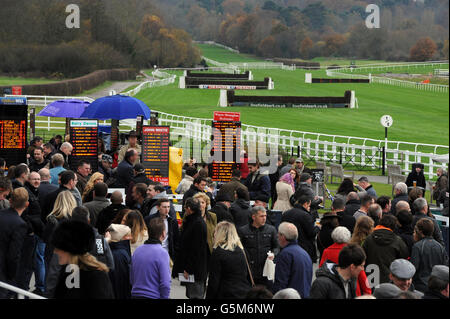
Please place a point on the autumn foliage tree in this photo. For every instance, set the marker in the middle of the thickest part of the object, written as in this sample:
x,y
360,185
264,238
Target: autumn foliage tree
x,y
423,50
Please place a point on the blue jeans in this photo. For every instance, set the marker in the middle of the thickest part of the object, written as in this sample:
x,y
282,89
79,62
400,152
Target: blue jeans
x,y
39,265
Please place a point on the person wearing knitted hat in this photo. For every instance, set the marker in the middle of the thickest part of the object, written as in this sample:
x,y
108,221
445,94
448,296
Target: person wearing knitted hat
x,y
83,276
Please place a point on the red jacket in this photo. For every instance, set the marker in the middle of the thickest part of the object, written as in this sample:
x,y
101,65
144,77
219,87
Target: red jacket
x,y
332,254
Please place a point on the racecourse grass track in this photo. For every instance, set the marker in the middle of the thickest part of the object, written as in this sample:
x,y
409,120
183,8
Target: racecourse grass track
x,y
419,116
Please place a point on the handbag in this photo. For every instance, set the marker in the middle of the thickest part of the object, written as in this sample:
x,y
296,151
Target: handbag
x,y
249,270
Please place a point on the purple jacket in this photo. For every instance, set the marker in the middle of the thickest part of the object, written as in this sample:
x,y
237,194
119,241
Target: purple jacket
x,y
150,272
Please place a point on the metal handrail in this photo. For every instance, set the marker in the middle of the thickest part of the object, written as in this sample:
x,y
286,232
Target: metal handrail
x,y
21,294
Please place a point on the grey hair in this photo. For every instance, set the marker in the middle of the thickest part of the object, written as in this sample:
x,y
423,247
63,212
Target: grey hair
x,y
257,209
66,145
419,204
402,205
287,293
288,230
363,179
401,187
341,235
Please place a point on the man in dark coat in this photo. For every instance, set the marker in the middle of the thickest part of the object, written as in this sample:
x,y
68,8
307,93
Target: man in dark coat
x,y
193,253
104,167
125,172
256,182
438,283
222,208
400,194
45,188
416,176
231,187
293,264
383,246
258,239
338,281
106,216
12,233
274,178
39,161
421,209
302,219
352,205
172,240
304,189
338,206
98,203
83,172
240,208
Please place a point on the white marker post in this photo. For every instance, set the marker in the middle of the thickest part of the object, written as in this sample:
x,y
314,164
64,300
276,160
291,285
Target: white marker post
x,y
386,121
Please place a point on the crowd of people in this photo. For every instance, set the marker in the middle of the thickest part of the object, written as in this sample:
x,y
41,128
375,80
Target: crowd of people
x,y
57,223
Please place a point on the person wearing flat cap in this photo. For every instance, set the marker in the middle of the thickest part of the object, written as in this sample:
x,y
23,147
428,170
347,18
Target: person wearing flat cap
x,y
105,168
132,143
438,283
72,241
387,291
401,274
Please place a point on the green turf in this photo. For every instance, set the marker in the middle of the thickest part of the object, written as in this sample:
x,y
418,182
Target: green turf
x,y
225,56
419,116
5,81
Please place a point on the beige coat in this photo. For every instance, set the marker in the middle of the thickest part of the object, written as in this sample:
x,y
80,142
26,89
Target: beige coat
x,y
284,192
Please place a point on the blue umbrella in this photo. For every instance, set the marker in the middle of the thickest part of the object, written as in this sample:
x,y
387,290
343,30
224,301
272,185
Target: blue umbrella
x,y
116,107
64,108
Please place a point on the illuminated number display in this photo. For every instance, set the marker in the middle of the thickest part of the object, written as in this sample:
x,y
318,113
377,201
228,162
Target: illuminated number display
x,y
155,153
226,146
13,130
84,139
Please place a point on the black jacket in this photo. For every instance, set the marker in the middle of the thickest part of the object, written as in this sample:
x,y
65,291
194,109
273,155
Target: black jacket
x,y
329,285
193,253
125,174
12,233
227,275
222,212
49,202
241,212
44,189
407,234
382,247
419,178
174,233
106,216
94,284
347,220
257,242
35,166
307,230
31,215
304,189
120,276
259,187
351,207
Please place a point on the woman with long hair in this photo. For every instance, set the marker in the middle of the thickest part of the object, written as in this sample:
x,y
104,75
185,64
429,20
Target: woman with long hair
x,y
139,233
62,210
88,193
363,228
228,270
295,177
285,189
209,218
72,241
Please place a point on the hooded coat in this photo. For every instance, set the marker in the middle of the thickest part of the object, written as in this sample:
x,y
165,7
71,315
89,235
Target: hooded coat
x,y
382,247
329,285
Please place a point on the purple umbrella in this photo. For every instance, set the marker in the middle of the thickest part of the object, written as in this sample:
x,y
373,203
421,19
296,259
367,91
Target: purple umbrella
x,y
64,108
